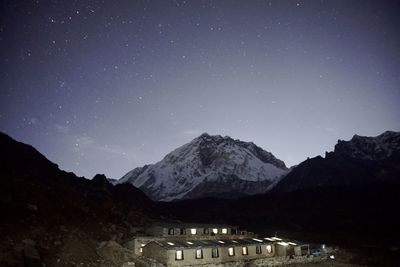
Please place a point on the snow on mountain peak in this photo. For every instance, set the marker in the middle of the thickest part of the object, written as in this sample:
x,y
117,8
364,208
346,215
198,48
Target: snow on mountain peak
x,y
204,162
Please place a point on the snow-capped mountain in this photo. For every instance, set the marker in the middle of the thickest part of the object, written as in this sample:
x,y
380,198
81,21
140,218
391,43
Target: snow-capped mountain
x,y
362,160
208,166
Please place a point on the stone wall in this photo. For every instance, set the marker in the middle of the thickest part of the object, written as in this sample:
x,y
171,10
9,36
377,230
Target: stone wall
x,y
155,252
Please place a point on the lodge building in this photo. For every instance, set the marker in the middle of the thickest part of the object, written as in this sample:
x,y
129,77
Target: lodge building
x,y
182,244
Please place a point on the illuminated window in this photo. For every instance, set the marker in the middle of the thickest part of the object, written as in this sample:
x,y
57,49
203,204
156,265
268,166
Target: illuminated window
x,y
258,249
244,251
193,231
214,253
206,231
224,231
269,249
199,253
231,251
171,231
179,255
141,248
215,231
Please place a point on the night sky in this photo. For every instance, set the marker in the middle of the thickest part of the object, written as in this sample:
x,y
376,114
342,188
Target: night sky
x,y
106,86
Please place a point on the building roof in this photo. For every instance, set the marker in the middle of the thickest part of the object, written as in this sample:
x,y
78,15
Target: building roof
x,y
174,244
174,224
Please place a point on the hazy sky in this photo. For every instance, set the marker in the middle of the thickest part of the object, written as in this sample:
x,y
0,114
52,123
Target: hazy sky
x,y
106,86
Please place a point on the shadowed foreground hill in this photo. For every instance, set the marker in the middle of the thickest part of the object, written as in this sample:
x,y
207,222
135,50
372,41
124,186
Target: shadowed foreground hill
x,y
342,215
46,212
362,219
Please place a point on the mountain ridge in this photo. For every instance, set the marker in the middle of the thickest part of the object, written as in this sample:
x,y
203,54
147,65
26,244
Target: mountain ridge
x,y
361,160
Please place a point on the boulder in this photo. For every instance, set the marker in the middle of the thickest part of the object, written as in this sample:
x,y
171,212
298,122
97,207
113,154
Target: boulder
x,y
114,253
30,253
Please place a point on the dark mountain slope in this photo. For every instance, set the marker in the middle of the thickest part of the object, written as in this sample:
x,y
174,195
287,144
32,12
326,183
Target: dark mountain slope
x,y
49,207
345,215
362,160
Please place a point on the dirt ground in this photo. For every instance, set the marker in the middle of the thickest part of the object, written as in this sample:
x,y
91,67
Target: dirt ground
x,y
360,257
330,264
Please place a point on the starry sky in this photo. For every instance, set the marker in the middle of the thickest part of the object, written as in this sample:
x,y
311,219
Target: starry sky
x,y
106,86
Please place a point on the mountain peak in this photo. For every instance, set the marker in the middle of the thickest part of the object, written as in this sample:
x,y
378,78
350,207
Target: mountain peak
x,y
373,148
192,169
361,160
204,135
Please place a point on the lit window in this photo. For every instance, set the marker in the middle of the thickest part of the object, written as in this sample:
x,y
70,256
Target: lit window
x,y
224,231
140,250
171,231
258,249
244,251
231,251
179,255
214,253
215,231
193,231
269,249
199,253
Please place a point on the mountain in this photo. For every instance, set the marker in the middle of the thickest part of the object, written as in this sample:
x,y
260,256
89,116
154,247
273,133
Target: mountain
x,y
208,166
52,217
362,160
348,198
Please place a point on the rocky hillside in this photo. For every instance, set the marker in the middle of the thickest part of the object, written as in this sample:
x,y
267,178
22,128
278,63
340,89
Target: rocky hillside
x,y
362,160
52,217
208,166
